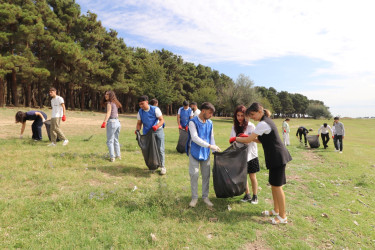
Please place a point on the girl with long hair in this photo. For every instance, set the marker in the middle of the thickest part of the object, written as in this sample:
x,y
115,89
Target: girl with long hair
x,y
112,123
242,127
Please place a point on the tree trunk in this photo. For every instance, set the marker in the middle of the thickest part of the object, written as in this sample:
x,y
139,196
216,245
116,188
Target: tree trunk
x,y
9,96
14,88
40,101
167,109
2,92
82,99
71,96
27,94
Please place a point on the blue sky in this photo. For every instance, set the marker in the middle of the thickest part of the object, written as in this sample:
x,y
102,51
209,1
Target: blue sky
x,y
321,49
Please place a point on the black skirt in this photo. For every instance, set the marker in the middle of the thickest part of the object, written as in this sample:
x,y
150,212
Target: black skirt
x,y
277,176
253,166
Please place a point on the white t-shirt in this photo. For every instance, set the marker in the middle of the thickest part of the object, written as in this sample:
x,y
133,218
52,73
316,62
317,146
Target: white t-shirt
x,y
196,112
157,114
57,109
252,149
262,128
325,130
179,111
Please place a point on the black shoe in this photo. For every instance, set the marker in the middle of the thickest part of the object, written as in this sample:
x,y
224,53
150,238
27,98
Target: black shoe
x,y
254,200
246,198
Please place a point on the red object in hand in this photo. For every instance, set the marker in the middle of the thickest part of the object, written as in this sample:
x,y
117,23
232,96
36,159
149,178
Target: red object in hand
x,y
243,135
232,139
284,131
333,136
63,118
154,128
179,126
186,128
318,135
103,125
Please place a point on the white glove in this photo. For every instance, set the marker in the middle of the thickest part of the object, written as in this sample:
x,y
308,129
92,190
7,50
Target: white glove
x,y
215,148
44,120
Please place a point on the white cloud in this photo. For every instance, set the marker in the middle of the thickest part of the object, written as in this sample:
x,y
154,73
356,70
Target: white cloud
x,y
243,32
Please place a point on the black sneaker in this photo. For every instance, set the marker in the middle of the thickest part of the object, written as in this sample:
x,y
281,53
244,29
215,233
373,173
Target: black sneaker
x,y
246,198
254,200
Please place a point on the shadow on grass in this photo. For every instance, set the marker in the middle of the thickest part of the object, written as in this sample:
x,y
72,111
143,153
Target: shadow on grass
x,y
123,170
167,203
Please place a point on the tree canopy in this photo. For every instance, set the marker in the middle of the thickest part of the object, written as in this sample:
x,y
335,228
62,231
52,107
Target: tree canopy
x,y
47,43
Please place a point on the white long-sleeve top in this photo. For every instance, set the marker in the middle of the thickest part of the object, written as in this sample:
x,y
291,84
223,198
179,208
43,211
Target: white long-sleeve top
x,y
252,149
195,138
325,129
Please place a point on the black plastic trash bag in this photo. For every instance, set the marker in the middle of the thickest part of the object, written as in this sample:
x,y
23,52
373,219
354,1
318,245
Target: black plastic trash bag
x,y
48,128
181,145
150,149
313,141
230,171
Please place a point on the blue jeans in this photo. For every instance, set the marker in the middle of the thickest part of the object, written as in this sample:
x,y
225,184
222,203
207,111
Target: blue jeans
x,y
113,131
160,141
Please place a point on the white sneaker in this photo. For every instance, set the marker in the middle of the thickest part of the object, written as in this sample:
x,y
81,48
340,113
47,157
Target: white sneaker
x,y
65,142
163,171
112,159
340,152
119,157
193,203
52,144
208,202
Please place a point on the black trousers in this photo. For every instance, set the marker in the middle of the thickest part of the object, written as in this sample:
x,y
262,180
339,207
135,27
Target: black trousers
x,y
300,137
325,139
338,139
36,127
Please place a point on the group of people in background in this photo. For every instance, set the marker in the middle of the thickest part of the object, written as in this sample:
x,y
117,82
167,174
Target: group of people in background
x,y
337,132
39,118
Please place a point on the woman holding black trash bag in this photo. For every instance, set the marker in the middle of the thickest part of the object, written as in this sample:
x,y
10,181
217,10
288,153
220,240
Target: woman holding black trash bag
x,y
242,127
38,117
276,156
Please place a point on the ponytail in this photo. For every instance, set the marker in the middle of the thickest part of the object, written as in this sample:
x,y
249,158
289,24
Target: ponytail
x,y
267,113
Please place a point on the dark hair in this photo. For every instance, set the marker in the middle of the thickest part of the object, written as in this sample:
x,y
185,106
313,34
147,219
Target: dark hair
x,y
256,107
336,118
193,103
20,117
52,89
208,105
185,103
237,127
325,125
143,98
154,102
112,98
287,119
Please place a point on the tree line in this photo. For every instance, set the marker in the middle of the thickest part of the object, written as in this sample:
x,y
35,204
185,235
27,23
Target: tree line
x,y
46,43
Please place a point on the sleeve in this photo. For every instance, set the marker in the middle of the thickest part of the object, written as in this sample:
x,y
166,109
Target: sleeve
x,y
61,100
195,138
232,132
158,112
138,116
320,129
330,129
262,128
191,113
343,129
179,111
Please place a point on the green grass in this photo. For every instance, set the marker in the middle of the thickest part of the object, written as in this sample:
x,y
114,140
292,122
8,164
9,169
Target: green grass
x,y
73,197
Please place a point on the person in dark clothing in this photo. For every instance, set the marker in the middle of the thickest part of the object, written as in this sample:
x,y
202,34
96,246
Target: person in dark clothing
x,y
302,131
38,117
276,156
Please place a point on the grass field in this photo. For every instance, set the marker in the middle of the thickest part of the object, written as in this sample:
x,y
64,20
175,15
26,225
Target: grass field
x,y
73,197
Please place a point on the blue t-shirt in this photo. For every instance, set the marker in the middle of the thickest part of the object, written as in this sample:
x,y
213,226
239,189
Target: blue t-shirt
x,y
31,116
